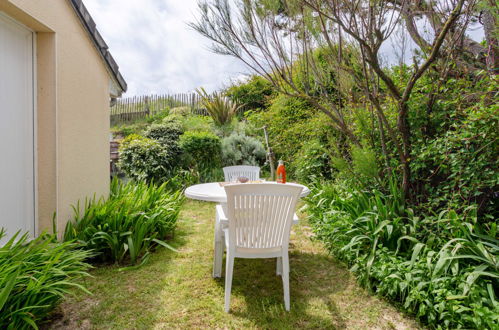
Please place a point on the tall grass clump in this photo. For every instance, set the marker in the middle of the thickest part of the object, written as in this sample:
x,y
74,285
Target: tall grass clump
x,y
125,228
219,107
34,276
443,268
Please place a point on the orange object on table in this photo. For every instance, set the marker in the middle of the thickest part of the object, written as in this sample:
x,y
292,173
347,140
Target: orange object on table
x,y
281,172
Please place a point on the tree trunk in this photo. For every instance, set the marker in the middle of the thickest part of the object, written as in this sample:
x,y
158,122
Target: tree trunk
x,y
489,20
405,132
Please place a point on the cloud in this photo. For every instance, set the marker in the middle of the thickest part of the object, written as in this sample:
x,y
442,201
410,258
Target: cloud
x,y
155,48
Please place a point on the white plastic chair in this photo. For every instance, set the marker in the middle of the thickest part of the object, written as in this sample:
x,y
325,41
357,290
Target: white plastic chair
x,y
259,224
231,173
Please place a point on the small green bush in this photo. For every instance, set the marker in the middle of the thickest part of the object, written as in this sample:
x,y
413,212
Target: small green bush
x,y
197,123
201,149
167,132
124,228
254,93
181,111
146,159
158,116
291,123
312,163
362,168
238,149
34,277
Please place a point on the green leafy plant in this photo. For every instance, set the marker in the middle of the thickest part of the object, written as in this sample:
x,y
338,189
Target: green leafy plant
x,y
147,159
312,163
238,149
201,149
34,277
442,269
167,132
255,93
181,111
219,107
125,227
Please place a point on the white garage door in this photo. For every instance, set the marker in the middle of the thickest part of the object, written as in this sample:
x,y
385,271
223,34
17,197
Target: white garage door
x,y
17,211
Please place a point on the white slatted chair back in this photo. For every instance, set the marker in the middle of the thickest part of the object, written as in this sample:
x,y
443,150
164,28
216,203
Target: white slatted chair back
x,y
231,173
260,215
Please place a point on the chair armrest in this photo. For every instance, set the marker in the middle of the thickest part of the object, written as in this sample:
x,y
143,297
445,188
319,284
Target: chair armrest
x,y
221,214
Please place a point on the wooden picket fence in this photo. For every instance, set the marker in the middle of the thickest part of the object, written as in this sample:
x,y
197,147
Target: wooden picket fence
x,y
129,109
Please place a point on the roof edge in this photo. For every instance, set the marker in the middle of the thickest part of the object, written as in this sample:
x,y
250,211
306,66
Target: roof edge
x,y
98,41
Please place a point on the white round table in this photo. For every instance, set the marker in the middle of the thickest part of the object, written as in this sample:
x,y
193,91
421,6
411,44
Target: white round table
x,y
214,192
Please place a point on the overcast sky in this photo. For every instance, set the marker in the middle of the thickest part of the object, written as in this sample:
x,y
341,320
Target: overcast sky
x,y
159,53
155,49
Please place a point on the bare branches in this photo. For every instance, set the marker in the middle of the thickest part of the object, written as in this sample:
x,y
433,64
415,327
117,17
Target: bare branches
x,y
283,49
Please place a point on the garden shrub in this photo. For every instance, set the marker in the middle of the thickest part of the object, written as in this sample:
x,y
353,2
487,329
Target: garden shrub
x,y
201,149
238,149
34,277
125,227
181,111
197,123
167,132
158,116
312,163
146,159
253,94
361,168
291,123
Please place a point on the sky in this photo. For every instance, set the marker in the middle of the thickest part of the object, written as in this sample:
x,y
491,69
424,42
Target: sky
x,y
157,51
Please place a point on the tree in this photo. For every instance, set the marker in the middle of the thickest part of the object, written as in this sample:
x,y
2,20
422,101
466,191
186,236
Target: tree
x,y
280,40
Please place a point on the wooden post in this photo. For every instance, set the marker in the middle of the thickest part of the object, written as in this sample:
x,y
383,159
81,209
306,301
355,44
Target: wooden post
x,y
270,153
147,110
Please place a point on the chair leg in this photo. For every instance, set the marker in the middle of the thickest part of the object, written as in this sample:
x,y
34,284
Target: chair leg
x,y
278,268
218,259
285,280
229,268
218,249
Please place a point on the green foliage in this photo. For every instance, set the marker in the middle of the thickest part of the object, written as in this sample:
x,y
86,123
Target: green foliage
x,y
459,166
440,268
312,163
167,132
201,149
125,227
220,107
238,149
361,168
254,94
197,123
146,159
158,116
181,111
291,123
34,277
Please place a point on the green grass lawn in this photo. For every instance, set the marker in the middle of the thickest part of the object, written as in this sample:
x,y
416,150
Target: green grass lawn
x,y
176,290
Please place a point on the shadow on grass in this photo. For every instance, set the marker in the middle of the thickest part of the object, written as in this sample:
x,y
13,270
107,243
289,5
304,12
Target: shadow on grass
x,y
113,288
314,278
